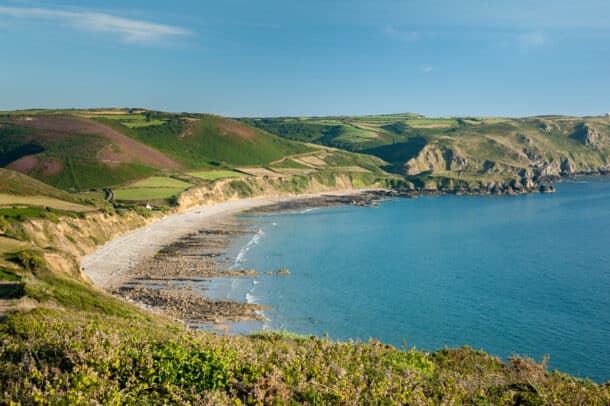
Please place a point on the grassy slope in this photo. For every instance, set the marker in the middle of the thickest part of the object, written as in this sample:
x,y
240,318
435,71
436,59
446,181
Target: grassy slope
x,y
77,150
203,141
477,149
78,159
76,154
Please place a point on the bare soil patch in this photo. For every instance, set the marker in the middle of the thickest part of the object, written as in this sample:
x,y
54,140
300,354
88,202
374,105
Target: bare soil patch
x,y
234,127
51,166
24,164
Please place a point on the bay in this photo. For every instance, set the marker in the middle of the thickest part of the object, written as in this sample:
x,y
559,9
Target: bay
x,y
525,275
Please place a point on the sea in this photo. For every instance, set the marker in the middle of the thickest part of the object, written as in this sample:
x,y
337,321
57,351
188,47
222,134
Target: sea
x,y
526,275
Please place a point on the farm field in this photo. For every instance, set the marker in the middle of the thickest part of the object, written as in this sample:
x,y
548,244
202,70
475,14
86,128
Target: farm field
x,y
153,188
42,201
216,174
129,120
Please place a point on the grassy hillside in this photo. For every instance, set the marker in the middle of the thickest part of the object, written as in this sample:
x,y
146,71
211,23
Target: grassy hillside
x,y
78,150
463,152
200,140
116,153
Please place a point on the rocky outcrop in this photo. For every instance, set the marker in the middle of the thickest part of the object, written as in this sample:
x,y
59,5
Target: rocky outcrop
x,y
567,167
435,158
585,133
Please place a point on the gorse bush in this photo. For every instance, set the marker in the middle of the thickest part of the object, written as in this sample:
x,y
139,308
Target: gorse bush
x,y
29,259
56,356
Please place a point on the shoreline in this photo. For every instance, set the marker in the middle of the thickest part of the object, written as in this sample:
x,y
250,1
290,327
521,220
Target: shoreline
x,y
128,266
162,265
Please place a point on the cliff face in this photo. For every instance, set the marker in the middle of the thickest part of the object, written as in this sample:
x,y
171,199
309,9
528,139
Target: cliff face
x,y
66,241
522,153
225,190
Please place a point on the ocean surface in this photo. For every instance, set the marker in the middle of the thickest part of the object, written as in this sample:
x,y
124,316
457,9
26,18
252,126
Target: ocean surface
x,y
510,275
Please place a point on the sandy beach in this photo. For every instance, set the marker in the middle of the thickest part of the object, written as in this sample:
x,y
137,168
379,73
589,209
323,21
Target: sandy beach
x,y
109,267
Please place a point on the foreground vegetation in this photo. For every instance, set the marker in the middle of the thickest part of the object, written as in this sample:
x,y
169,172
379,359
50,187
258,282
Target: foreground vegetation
x,y
77,345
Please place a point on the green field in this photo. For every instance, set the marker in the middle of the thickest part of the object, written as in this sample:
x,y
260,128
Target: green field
x,y
153,188
130,120
159,182
146,193
42,201
216,174
140,124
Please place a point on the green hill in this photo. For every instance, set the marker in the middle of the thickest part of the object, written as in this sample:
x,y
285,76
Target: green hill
x,y
80,150
466,152
88,150
197,141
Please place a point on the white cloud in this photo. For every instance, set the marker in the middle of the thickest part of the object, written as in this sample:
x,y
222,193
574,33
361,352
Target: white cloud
x,y
427,69
127,30
533,39
407,36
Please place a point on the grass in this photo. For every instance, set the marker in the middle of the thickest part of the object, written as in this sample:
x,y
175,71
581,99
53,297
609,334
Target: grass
x,y
209,140
144,123
159,182
42,201
130,120
216,174
146,194
152,188
74,154
118,117
289,163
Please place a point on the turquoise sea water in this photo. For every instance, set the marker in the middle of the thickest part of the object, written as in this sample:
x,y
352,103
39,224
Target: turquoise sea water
x,y
524,274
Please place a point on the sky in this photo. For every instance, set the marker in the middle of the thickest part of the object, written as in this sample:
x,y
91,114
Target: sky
x,y
302,58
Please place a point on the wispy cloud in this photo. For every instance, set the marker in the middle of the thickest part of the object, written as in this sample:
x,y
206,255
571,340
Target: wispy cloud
x,y
127,30
401,35
533,39
427,69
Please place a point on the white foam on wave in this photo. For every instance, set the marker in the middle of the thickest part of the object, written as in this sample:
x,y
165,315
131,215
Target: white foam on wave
x,y
241,256
310,210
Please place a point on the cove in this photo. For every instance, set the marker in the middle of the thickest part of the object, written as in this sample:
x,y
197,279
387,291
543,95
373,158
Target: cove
x,y
525,274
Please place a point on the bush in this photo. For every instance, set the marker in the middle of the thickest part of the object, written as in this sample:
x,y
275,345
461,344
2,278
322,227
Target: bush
x,y
143,211
29,260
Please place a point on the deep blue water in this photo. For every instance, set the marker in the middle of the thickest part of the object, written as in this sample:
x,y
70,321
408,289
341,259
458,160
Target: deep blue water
x,y
511,275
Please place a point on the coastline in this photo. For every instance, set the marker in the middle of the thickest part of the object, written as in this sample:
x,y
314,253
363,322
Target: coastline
x,y
145,265
167,266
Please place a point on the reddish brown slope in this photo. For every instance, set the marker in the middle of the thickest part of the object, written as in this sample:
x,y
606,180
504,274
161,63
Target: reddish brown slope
x,y
123,149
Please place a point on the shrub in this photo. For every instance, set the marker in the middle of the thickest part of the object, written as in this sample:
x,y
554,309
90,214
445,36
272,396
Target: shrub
x,y
29,260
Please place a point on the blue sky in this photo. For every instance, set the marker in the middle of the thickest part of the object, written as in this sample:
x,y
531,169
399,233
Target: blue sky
x,y
288,57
